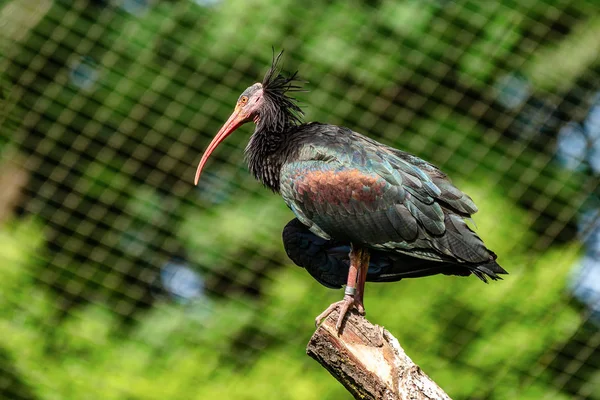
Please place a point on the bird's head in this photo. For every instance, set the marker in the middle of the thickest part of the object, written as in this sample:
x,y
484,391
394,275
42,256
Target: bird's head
x,y
266,103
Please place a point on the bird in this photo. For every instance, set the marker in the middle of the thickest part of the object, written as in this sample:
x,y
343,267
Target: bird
x,y
364,211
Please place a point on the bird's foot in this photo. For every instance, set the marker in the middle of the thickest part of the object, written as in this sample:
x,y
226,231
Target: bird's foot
x,y
360,307
344,305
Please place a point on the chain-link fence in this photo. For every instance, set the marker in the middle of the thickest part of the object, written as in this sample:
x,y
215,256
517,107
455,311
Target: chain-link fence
x,y
121,280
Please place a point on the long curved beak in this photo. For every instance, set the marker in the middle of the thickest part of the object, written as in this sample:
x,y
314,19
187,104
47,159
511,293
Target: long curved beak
x,y
236,119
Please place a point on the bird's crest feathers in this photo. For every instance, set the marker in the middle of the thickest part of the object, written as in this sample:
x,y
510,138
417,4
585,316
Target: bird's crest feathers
x,y
276,88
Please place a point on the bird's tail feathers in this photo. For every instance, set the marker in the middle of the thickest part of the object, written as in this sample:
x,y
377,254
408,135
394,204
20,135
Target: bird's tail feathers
x,y
491,270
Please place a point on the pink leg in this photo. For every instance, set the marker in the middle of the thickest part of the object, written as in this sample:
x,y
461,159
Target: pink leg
x,y
362,279
353,293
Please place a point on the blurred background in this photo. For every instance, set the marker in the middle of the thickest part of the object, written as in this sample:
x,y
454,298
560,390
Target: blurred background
x,y
121,280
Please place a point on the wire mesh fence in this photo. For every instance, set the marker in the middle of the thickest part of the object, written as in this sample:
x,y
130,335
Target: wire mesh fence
x,y
120,279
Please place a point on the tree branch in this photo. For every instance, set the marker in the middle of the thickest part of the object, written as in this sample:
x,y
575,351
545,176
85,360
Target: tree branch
x,y
369,361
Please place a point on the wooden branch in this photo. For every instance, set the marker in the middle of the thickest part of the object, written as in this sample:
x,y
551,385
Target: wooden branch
x,y
369,361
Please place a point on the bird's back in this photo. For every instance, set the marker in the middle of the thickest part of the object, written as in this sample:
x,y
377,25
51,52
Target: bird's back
x,y
346,187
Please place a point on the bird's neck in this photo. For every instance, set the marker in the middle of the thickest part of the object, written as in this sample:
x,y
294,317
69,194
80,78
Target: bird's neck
x,y
266,153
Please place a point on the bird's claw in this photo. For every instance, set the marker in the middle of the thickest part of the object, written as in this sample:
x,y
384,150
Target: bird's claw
x,y
359,307
345,305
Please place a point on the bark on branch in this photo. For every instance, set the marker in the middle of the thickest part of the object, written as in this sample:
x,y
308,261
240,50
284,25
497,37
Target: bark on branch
x,y
369,361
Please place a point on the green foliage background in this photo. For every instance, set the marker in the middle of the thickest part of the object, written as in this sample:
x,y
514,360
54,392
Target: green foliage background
x,y
477,341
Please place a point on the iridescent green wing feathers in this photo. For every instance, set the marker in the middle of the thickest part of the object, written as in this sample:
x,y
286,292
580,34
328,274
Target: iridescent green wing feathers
x,y
344,185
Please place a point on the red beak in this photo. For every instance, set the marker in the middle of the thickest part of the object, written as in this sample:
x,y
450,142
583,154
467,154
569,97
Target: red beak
x,y
235,121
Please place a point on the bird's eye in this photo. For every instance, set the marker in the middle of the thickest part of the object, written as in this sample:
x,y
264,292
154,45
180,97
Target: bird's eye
x,y
244,100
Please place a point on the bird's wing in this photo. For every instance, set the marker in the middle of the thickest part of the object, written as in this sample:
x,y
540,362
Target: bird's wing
x,y
344,185
328,261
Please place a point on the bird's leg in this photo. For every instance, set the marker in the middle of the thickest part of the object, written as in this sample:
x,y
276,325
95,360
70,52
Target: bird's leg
x,y
346,302
364,256
355,274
